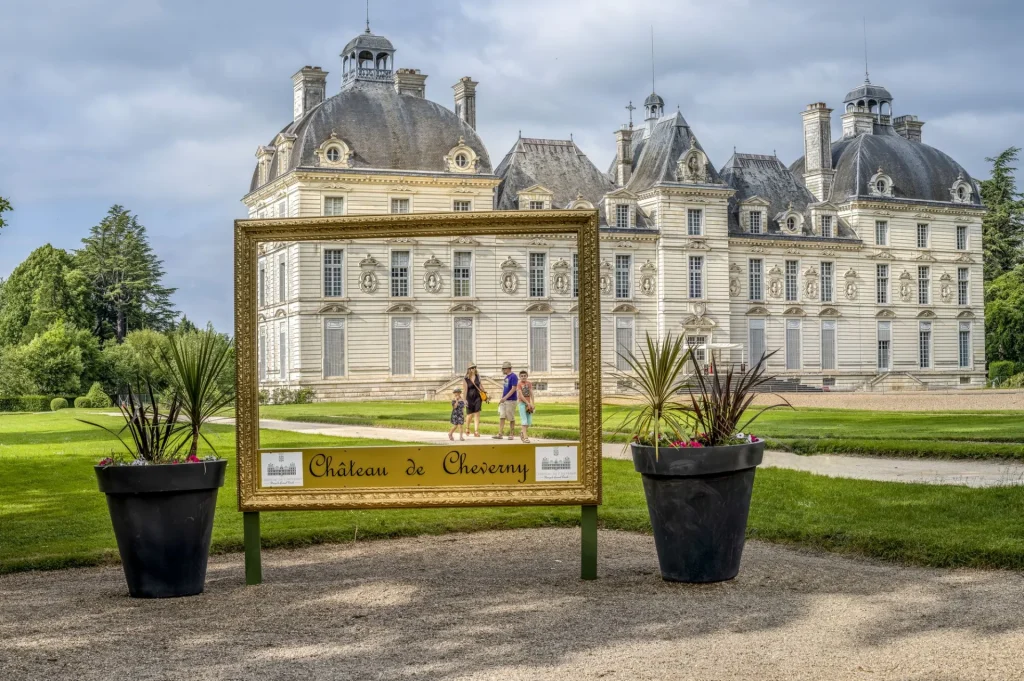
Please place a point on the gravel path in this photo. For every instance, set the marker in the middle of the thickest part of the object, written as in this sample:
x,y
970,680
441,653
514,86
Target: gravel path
x,y
509,605
930,471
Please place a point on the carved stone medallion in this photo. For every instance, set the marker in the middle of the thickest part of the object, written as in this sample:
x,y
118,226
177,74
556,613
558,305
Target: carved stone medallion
x,y
432,282
509,282
368,282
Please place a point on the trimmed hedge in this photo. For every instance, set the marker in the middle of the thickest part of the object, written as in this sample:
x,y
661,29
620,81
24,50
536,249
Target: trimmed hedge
x,y
10,404
35,403
97,398
58,403
82,402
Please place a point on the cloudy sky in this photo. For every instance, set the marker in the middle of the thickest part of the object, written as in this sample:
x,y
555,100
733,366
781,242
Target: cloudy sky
x,y
160,106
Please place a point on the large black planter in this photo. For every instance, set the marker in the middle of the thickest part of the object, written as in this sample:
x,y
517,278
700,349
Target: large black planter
x,y
699,499
163,518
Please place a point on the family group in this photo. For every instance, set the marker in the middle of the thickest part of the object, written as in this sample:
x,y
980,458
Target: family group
x,y
516,396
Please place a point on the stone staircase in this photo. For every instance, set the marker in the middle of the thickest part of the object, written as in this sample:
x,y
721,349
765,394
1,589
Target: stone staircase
x,y
894,381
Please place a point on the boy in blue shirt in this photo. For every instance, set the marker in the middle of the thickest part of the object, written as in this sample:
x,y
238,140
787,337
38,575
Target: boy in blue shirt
x,y
509,402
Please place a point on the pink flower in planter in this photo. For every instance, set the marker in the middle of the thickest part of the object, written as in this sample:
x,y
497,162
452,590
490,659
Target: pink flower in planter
x,y
106,462
175,462
192,458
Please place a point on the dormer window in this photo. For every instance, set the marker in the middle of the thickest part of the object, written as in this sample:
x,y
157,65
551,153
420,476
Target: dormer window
x,y
333,154
827,229
791,223
622,216
755,222
881,184
961,191
461,160
536,205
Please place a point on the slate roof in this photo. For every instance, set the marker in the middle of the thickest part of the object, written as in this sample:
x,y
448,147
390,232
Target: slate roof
x,y
558,165
383,129
919,172
368,41
867,91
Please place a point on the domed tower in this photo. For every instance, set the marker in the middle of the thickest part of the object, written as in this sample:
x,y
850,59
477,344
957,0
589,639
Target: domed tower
x,y
865,106
369,58
654,105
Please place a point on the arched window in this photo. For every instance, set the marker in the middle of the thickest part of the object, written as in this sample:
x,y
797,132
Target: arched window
x,y
791,223
880,186
365,60
344,66
382,62
962,193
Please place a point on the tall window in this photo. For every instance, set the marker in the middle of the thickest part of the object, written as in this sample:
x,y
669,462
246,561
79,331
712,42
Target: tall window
x,y
828,282
334,205
755,222
334,348
333,258
961,237
828,344
826,226
576,344
399,274
262,351
882,284
699,345
262,292
965,345
695,221
756,283
401,346
282,351
792,286
623,342
399,205
963,286
793,344
282,279
575,275
538,344
881,233
924,345
924,285
462,206
282,208
537,275
755,329
462,274
462,335
696,276
622,216
922,236
623,274
536,205
884,345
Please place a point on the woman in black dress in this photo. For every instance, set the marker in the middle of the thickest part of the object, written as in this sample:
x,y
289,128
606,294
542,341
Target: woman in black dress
x,y
474,401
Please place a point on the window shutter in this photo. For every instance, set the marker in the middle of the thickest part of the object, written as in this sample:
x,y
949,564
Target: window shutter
x,y
334,348
576,344
282,352
756,340
463,334
793,344
539,344
623,342
884,344
828,345
401,346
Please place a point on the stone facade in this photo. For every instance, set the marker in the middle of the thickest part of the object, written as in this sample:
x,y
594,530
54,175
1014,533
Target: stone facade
x,y
860,280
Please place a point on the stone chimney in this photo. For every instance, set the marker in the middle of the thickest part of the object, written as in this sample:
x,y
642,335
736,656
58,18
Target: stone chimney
x,y
465,100
858,121
818,172
909,127
411,82
623,155
309,86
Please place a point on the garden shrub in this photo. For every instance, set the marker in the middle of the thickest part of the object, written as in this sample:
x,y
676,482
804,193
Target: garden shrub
x,y
288,396
97,398
82,402
1016,381
58,403
10,404
1000,370
35,403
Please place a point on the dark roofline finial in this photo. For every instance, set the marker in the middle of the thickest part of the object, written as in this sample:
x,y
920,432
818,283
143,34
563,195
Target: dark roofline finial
x,y
630,109
653,89
867,79
367,17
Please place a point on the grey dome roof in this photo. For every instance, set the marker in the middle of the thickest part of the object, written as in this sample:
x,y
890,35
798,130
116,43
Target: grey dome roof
x,y
368,41
867,91
654,98
919,172
383,129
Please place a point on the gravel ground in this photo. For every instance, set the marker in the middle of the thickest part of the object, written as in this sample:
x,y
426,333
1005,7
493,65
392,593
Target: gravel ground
x,y
509,605
962,400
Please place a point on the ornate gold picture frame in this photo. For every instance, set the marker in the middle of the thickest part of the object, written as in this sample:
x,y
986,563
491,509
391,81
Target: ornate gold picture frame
x,y
579,224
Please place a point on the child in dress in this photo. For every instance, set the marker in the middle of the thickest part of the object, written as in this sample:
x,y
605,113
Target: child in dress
x,y
458,418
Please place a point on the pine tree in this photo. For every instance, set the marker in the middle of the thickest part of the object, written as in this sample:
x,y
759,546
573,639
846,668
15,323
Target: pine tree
x,y
1003,225
5,206
125,276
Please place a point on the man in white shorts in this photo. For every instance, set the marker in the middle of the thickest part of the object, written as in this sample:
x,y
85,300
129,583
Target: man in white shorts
x,y
508,403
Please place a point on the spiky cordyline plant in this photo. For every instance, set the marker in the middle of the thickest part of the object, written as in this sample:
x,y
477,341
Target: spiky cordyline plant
x,y
156,437
659,375
194,362
719,400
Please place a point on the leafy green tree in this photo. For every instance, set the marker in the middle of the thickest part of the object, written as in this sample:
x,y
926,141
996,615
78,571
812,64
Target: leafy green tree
x,y
5,206
53,360
136,361
1004,317
185,325
14,377
1003,225
125,276
45,288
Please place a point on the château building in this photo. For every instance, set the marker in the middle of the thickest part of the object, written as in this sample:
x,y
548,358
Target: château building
x,y
861,262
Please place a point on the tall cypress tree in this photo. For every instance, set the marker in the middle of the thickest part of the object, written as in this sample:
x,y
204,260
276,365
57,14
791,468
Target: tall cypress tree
x,y
1003,226
126,276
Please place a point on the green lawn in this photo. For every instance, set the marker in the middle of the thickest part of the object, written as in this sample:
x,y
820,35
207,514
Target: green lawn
x,y
51,514
972,434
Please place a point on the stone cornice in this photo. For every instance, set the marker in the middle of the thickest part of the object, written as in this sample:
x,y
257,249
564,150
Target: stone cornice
x,y
929,208
783,245
687,191
312,177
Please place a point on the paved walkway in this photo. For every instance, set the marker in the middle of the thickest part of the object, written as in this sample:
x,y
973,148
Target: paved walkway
x,y
970,473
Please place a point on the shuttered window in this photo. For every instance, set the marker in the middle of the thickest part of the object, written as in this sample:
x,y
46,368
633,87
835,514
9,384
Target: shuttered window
x,y
696,276
963,282
538,344
792,285
793,344
576,344
623,274
334,205
462,274
965,345
537,273
924,345
263,355
401,346
756,283
463,342
623,342
575,275
756,332
282,352
334,348
282,280
884,345
399,274
828,344
924,285
333,258
882,284
262,292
